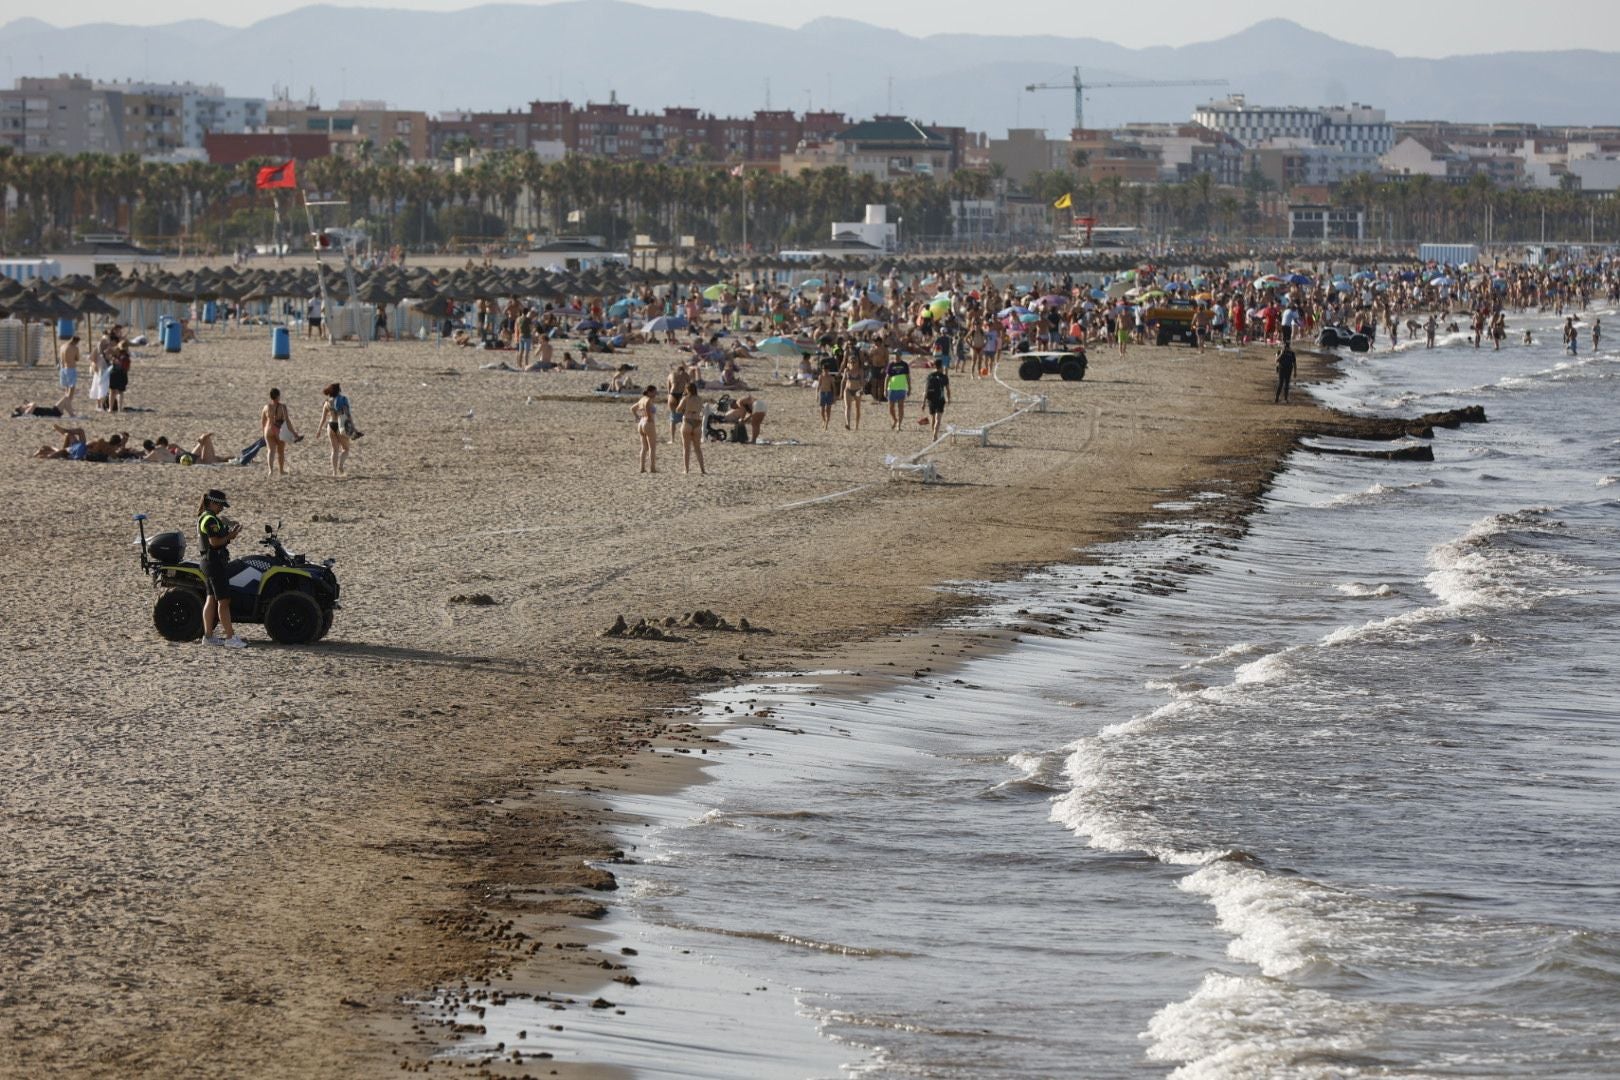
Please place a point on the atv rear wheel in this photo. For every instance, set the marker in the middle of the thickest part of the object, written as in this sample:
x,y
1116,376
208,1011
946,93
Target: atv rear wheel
x,y
293,618
1030,370
178,615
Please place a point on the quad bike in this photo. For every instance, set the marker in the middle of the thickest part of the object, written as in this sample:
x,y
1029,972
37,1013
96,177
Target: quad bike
x,y
294,599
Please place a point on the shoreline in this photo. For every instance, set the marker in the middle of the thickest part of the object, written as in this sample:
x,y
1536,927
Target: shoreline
x,y
380,838
933,646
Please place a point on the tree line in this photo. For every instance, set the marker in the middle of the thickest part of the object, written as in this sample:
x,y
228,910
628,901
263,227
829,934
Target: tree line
x,y
202,206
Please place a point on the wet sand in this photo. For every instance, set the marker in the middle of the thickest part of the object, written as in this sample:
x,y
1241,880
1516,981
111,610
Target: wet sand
x,y
250,862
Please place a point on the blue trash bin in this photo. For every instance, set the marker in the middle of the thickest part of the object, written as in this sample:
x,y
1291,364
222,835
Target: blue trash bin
x,y
171,336
210,312
66,328
280,343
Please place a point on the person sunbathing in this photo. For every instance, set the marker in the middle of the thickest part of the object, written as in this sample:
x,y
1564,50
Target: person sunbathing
x,y
76,446
34,408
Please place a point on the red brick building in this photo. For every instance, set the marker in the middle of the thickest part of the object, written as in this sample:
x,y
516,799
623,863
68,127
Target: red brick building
x,y
235,149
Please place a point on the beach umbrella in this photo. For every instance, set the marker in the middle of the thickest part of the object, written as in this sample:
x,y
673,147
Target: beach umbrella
x,y
866,326
587,324
619,308
665,323
781,346
715,292
1298,279
1014,310
1029,317
811,283
1054,300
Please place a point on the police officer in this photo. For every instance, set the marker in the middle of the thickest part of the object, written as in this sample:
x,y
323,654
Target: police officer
x,y
216,534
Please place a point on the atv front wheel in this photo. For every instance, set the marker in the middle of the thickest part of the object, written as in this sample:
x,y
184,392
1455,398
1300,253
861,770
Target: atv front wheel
x,y
178,615
327,615
1072,370
1030,370
293,618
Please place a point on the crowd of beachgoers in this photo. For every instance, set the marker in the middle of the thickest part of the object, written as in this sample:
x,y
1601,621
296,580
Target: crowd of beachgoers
x,y
873,339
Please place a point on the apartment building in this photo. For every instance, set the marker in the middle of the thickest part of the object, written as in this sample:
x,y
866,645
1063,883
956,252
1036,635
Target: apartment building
x,y
355,125
64,114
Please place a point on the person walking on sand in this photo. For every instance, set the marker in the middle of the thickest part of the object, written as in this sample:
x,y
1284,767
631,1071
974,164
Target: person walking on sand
x,y
1285,373
897,385
339,425
854,375
826,394
217,534
645,410
691,412
67,376
275,423
936,395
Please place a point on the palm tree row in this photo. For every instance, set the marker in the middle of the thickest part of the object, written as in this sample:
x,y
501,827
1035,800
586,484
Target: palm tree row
x,y
199,205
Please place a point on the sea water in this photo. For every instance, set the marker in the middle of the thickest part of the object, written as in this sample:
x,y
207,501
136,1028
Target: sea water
x,y
1337,796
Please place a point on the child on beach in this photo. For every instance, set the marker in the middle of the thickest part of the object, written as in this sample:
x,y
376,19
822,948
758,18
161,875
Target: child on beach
x,y
827,393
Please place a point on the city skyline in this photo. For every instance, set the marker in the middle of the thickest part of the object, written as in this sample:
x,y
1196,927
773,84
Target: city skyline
x,y
1392,25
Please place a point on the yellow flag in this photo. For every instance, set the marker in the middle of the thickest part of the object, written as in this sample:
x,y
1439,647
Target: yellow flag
x,y
1064,203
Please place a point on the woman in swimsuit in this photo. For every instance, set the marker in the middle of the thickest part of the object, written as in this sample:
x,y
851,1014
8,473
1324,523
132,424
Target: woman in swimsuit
x,y
335,415
678,382
273,419
645,410
692,429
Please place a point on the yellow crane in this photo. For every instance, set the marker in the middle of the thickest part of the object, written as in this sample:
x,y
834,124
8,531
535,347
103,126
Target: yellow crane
x,y
1080,89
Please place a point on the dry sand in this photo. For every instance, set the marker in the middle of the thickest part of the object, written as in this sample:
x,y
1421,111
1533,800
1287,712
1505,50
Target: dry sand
x,y
241,863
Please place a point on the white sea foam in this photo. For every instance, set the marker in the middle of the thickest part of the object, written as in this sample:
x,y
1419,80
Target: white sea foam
x,y
1279,924
1375,494
1243,1026
1362,590
1226,655
1608,481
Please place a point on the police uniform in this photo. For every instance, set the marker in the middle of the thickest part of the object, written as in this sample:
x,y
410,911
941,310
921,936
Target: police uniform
x,y
215,560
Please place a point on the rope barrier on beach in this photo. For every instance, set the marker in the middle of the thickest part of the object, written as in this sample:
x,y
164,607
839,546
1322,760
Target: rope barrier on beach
x,y
927,471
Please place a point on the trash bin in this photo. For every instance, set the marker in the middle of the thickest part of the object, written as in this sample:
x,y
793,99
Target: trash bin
x,y
171,336
280,343
65,328
210,312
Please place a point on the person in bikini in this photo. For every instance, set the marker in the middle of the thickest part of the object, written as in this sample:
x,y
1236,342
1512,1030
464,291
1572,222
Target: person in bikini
x,y
691,413
645,410
274,419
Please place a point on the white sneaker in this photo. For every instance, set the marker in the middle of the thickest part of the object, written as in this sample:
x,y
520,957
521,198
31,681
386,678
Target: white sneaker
x,y
233,642
209,639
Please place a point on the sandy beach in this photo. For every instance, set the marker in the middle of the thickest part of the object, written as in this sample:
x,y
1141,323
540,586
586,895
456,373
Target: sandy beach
x,y
248,863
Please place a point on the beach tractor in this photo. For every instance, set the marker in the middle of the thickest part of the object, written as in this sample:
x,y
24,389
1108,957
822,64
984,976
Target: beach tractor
x,y
294,598
1171,319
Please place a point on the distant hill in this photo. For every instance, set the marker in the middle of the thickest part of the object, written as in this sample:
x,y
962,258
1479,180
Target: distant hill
x,y
501,56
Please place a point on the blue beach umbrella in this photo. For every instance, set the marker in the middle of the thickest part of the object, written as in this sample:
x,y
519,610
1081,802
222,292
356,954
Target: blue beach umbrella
x,y
781,346
666,322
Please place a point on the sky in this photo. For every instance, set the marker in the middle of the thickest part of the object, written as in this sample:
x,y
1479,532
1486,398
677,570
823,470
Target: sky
x,y
1443,28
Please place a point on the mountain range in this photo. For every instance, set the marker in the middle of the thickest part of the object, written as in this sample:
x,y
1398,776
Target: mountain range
x,y
501,56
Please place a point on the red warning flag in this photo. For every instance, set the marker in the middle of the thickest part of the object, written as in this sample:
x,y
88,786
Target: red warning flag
x,y
284,175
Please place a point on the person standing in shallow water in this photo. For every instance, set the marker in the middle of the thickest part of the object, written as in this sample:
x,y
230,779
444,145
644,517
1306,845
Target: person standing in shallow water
x,y
1285,373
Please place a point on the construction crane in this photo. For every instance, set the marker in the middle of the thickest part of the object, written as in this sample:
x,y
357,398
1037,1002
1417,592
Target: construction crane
x,y
1080,89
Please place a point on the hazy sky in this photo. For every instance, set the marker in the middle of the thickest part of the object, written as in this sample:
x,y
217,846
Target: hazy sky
x,y
1405,27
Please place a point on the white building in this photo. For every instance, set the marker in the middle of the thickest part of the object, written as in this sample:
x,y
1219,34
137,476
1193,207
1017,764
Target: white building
x,y
1350,139
876,231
